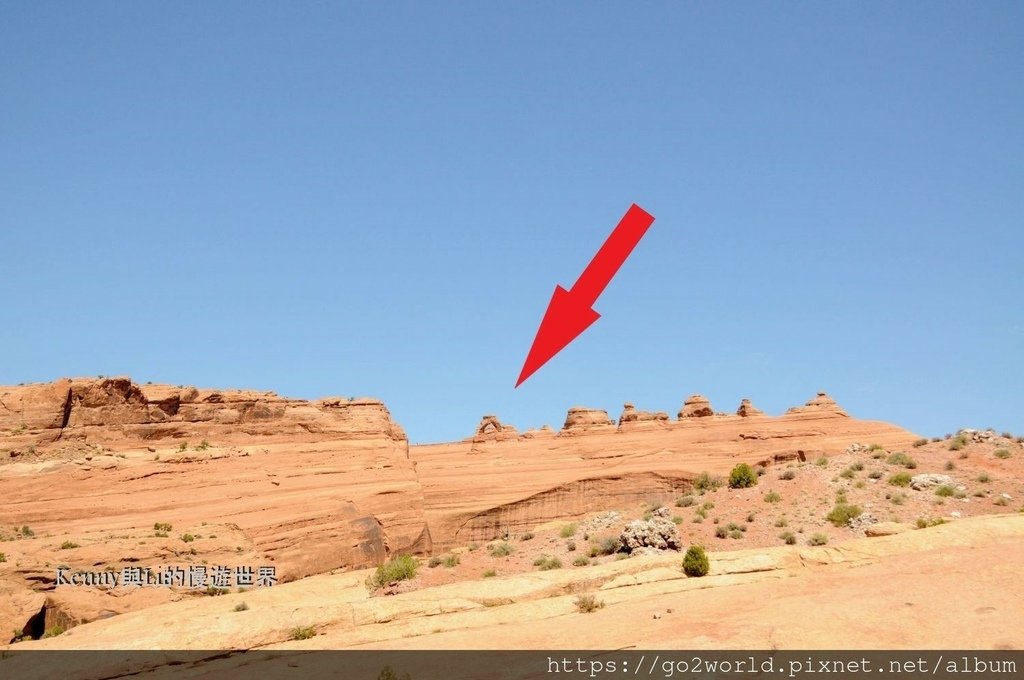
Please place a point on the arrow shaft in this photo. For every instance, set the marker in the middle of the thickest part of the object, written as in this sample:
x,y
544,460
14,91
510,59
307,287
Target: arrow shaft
x,y
598,274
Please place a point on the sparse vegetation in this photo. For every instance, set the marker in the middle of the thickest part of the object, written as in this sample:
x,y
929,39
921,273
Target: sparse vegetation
x,y
945,491
528,536
772,497
842,513
434,562
27,531
876,447
608,545
781,522
721,532
898,498
398,568
568,530
547,563
203,445
241,607
451,560
707,482
958,442
742,476
900,458
984,478
817,539
581,561
1001,453
695,562
919,443
587,603
875,474
502,549
490,573
3,557
183,446
950,465
685,501
188,538
303,632
162,526
1000,501
68,545
822,461
900,479
788,537
788,474
53,632
923,523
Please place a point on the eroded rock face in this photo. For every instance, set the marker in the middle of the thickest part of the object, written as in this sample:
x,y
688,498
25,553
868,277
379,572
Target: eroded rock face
x,y
820,404
581,418
748,409
696,406
630,414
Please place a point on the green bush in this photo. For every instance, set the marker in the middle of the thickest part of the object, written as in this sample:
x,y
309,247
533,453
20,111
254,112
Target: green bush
x,y
772,497
568,530
303,632
188,538
547,563
162,526
502,549
900,479
581,561
695,562
958,442
945,491
789,537
587,603
706,482
900,458
842,513
3,557
817,539
398,568
451,560
742,477
685,501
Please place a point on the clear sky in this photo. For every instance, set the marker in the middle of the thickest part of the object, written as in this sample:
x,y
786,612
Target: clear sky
x,y
378,199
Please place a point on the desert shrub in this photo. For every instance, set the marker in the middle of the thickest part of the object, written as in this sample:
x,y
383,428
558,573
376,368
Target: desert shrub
x,y
761,470
900,479
502,549
945,491
3,557
709,505
900,458
68,545
822,461
203,445
27,531
958,442
875,474
53,631
857,467
183,446
898,498
788,537
707,482
676,519
241,607
772,497
736,533
742,477
162,526
587,603
817,539
473,547
848,473
568,530
451,560
490,573
581,561
434,561
188,538
781,522
570,546
303,632
547,563
842,513
984,478
950,465
695,562
1001,453
608,546
398,568
1000,501
721,532
919,443
685,501
528,536
923,523
788,474
876,447
750,518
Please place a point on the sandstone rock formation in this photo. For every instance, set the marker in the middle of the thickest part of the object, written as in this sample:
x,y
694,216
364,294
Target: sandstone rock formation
x,y
822,403
581,419
696,406
491,429
631,415
748,409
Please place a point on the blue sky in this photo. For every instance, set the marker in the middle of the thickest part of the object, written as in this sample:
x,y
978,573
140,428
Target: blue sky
x,y
378,199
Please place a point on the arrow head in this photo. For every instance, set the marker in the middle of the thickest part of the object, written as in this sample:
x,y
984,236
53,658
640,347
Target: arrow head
x,y
567,316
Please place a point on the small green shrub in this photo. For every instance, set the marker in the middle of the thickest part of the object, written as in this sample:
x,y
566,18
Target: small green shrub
x,y
742,476
3,557
842,513
848,473
188,538
958,442
53,632
183,446
27,531
900,479
695,562
984,478
945,491
898,498
587,603
736,533
685,501
398,568
451,560
502,549
822,461
707,482
303,632
875,474
772,497
923,523
162,526
547,563
900,458
788,537
1001,453
876,447
68,545
781,522
581,561
568,530
817,539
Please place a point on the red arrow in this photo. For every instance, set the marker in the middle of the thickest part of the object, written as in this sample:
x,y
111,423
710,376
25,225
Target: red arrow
x,y
570,311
